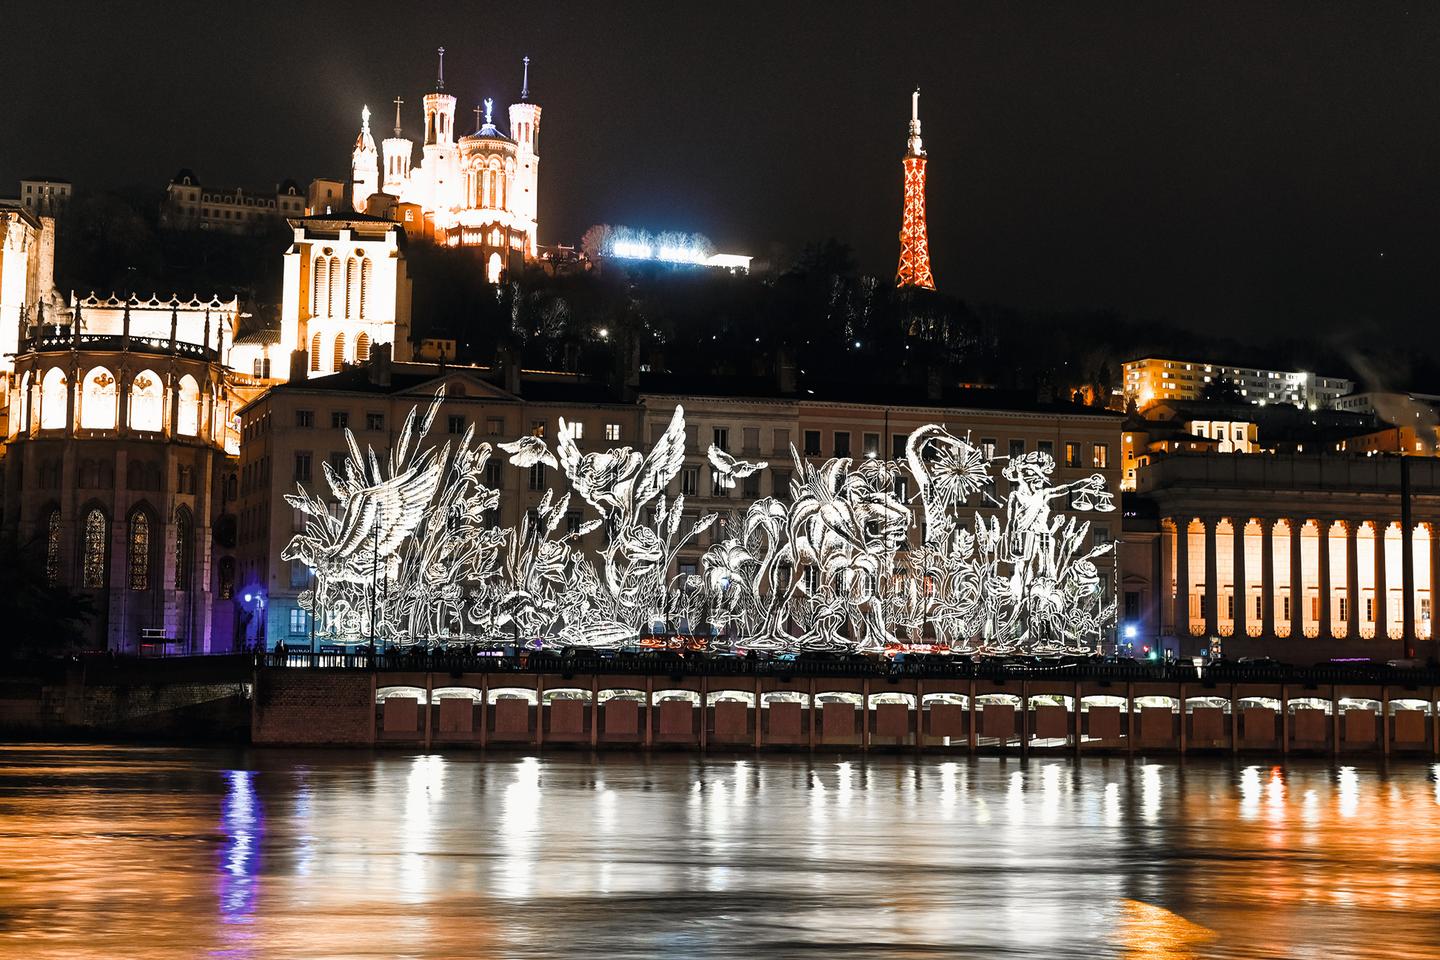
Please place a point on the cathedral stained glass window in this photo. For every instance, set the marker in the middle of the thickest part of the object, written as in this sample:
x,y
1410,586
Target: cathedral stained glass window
x,y
97,544
139,551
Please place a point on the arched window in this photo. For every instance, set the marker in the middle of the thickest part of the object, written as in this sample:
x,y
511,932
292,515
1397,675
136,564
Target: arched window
x,y
315,354
352,287
187,420
98,400
147,402
365,284
97,549
333,295
53,400
492,272
339,351
322,283
52,546
362,348
139,550
26,411
184,549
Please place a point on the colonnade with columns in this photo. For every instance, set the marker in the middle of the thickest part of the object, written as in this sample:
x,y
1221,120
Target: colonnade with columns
x,y
1299,576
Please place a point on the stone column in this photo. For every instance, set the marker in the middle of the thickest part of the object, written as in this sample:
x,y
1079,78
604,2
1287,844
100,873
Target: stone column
x,y
1182,579
1297,581
1381,594
1242,599
1267,577
1326,631
1407,582
1352,579
1212,579
1434,583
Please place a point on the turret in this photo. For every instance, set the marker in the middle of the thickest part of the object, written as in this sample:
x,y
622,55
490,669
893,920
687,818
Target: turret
x,y
398,151
364,165
525,130
441,188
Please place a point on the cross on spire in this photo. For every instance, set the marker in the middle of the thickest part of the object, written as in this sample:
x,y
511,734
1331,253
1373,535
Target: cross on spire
x,y
398,102
525,84
440,78
477,108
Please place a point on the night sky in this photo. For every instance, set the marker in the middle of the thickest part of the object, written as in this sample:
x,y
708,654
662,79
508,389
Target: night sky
x,y
1253,168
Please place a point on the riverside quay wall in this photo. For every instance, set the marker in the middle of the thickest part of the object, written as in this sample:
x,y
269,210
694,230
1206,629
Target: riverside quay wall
x,y
842,706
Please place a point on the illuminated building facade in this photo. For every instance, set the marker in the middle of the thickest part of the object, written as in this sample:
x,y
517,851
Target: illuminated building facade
x,y
1301,557
27,279
346,290
477,190
116,466
1154,380
295,433
914,268
45,196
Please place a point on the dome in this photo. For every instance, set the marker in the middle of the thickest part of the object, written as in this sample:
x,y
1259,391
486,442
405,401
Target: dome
x,y
487,132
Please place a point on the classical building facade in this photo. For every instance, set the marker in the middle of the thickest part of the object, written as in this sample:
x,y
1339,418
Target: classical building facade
x,y
477,190
346,290
116,466
27,278
45,196
292,432
191,206
295,430
1302,557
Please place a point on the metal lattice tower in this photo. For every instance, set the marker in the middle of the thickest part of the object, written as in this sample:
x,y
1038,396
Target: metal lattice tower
x,y
914,269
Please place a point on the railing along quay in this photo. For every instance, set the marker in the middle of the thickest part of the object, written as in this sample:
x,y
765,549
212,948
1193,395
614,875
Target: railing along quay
x,y
662,664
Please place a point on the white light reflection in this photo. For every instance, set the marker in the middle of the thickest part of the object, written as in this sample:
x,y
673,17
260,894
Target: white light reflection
x,y
1349,791
520,817
423,787
1111,804
1150,792
1250,790
844,776
1015,797
1435,776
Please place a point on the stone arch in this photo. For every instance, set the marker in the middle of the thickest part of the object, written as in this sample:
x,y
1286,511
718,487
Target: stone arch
x,y
99,398
94,547
184,549
147,402
140,529
339,352
187,416
315,348
54,400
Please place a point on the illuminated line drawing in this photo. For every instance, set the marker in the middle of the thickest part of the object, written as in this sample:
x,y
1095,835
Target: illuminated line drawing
x,y
406,552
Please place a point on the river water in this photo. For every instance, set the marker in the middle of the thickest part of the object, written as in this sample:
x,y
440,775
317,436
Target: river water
x,y
144,852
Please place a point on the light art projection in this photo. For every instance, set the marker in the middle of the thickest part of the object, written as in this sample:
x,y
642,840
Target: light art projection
x,y
408,553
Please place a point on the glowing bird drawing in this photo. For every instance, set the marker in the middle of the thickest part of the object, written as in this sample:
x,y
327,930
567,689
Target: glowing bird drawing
x,y
728,469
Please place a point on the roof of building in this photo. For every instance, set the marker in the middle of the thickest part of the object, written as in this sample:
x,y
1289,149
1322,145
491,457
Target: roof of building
x,y
264,335
182,174
488,131
38,179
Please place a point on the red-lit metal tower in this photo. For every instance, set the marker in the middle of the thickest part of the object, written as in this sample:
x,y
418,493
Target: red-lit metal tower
x,y
914,269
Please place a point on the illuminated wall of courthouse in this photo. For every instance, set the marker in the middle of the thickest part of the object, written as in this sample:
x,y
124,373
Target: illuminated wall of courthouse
x,y
1294,548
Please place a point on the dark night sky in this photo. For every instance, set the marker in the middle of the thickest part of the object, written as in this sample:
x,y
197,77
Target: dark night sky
x,y
1242,167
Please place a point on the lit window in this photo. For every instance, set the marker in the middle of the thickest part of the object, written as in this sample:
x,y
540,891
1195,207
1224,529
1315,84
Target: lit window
x,y
1101,455
577,430
612,431
139,551
52,547
97,549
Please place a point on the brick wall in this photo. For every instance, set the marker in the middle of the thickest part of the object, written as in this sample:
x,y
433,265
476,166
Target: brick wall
x,y
313,706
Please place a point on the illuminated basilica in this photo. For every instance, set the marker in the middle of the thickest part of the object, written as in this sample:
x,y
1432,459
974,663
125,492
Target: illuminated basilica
x,y
478,190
